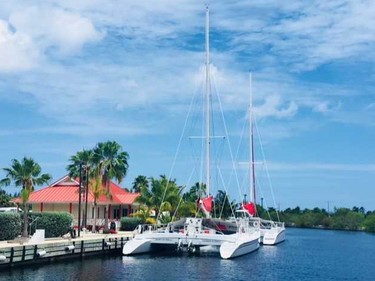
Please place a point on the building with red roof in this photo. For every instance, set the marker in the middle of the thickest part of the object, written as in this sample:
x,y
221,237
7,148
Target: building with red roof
x,y
63,196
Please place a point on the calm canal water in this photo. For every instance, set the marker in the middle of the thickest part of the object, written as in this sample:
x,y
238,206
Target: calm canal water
x,y
305,255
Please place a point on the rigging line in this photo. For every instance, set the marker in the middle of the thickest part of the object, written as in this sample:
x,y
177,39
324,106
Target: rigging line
x,y
227,135
266,168
179,202
259,185
242,186
237,153
176,154
196,161
194,125
226,192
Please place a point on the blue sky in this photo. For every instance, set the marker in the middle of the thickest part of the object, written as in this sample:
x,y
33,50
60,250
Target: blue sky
x,y
73,73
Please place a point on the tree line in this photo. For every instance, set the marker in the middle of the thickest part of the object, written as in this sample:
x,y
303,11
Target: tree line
x,y
341,218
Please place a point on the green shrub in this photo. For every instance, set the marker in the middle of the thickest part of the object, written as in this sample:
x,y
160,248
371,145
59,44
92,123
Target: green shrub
x,y
129,223
55,224
11,224
370,223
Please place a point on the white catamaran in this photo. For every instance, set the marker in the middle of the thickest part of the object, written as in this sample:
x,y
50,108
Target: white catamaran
x,y
271,232
190,234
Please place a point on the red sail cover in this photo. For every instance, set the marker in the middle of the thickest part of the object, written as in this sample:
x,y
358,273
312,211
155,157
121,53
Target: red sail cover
x,y
206,203
250,207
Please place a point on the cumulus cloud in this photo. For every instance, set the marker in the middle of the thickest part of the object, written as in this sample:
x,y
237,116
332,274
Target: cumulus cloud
x,y
52,27
17,51
30,32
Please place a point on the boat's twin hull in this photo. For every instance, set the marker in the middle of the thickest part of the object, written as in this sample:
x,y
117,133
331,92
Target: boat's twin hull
x,y
273,236
230,245
137,246
231,250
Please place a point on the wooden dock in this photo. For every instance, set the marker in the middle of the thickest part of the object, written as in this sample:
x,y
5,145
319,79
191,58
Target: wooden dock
x,y
15,253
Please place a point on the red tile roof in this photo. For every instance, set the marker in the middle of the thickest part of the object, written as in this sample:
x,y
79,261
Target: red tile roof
x,y
65,190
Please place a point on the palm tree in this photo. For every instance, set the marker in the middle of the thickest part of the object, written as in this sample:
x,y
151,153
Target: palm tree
x,y
223,207
164,195
82,159
144,213
110,163
139,182
188,209
96,186
196,191
25,174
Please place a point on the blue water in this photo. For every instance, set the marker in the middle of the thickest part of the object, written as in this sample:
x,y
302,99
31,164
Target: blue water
x,y
305,255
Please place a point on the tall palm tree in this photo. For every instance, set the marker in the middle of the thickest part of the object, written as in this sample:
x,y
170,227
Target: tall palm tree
x,y
110,163
25,174
83,158
139,182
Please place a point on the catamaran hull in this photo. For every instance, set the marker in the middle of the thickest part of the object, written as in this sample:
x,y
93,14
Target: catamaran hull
x,y
230,250
137,246
273,237
229,245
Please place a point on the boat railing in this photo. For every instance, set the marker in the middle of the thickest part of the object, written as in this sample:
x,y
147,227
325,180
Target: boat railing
x,y
142,228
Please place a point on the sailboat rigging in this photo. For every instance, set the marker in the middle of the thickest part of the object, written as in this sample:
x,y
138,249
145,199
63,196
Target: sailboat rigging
x,y
271,232
193,234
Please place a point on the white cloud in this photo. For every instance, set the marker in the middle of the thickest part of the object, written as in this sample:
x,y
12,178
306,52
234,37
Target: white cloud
x,y
52,27
274,107
325,107
17,51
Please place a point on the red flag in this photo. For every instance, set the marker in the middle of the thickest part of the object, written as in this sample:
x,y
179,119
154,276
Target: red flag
x,y
250,207
206,203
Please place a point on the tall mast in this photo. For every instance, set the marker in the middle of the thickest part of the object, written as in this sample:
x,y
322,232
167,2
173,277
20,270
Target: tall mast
x,y
251,144
207,96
